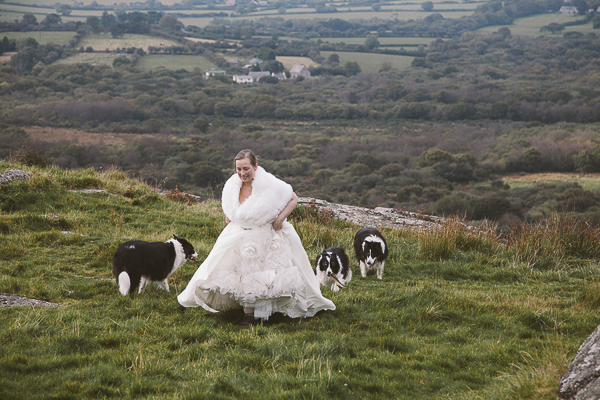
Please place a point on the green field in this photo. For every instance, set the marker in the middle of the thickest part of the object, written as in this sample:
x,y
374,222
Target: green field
x,y
42,37
530,26
51,3
288,62
587,181
371,63
11,13
103,42
401,15
174,62
90,58
384,41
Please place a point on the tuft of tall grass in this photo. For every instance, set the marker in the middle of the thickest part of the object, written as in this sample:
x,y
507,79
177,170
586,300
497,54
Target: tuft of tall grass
x,y
454,235
547,244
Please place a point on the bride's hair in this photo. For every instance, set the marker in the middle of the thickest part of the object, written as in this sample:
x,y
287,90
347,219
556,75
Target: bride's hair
x,y
246,154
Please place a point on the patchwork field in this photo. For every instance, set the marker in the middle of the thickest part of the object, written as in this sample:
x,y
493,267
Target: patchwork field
x,y
174,62
384,41
341,14
289,62
103,42
51,3
530,26
90,58
371,62
60,38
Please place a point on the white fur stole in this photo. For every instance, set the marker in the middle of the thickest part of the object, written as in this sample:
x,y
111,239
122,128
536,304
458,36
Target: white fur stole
x,y
269,197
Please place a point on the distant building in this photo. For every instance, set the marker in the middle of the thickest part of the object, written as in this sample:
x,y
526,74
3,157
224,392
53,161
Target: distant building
x,y
254,61
230,3
252,77
243,79
568,10
211,73
279,76
259,74
299,70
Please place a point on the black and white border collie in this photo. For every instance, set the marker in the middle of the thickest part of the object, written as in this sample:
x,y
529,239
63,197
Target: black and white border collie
x,y
333,261
371,251
136,262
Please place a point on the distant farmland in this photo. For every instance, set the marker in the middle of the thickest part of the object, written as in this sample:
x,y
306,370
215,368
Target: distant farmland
x,y
90,58
530,26
383,41
174,62
42,37
371,63
289,62
103,42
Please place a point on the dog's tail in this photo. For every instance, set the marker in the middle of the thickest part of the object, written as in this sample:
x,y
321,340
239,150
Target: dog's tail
x,y
124,283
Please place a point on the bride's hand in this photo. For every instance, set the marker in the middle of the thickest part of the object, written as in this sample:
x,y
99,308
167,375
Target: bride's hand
x,y
277,224
227,220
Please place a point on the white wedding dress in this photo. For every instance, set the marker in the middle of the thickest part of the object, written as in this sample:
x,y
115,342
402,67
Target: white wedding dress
x,y
251,264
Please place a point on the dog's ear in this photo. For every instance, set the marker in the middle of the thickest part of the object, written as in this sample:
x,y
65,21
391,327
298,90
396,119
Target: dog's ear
x,y
175,236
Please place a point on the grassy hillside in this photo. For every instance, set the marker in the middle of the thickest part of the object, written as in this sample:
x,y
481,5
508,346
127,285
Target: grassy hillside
x,y
457,315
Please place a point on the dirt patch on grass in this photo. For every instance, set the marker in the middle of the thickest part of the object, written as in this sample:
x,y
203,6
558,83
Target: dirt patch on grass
x,y
79,137
5,57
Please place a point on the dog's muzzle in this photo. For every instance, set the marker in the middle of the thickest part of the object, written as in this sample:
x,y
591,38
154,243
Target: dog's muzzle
x,y
193,257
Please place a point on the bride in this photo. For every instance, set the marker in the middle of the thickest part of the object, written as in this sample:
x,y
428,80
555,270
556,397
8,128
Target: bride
x,y
258,262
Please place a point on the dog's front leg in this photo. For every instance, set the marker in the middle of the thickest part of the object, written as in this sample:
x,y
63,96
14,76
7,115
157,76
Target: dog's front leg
x,y
335,287
143,282
363,269
164,284
380,270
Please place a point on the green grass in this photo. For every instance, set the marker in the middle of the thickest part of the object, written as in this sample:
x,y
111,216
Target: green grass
x,y
42,37
369,62
103,42
51,3
456,316
384,41
530,26
90,58
174,62
590,181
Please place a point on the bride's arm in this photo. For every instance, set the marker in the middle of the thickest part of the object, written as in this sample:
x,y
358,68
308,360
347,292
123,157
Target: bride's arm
x,y
278,223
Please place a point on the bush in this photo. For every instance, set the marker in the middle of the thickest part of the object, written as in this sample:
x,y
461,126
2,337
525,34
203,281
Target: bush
x,y
30,157
450,205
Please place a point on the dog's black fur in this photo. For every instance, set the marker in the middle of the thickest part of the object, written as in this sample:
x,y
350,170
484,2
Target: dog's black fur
x,y
371,251
333,261
136,262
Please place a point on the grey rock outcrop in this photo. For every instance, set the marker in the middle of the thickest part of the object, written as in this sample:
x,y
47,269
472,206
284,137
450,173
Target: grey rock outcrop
x,y
13,175
11,300
377,216
582,379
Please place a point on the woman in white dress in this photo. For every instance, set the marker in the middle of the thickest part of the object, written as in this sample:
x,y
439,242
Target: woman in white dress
x,y
258,262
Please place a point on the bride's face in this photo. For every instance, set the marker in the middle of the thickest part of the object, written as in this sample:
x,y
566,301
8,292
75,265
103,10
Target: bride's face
x,y
245,170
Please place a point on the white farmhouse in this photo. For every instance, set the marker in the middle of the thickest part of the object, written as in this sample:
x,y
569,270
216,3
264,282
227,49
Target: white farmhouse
x,y
299,70
243,79
568,10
